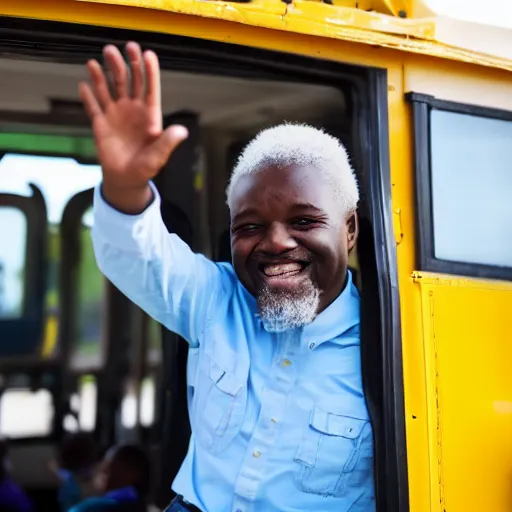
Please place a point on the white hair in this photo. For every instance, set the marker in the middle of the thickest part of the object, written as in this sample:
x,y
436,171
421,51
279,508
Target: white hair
x,y
302,145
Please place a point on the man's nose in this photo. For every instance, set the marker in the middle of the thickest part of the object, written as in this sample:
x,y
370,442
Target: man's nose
x,y
277,240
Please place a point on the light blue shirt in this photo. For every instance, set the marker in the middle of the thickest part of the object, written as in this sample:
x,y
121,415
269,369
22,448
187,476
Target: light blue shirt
x,y
279,421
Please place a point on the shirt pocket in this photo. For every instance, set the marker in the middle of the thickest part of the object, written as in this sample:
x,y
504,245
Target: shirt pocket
x,y
219,402
330,452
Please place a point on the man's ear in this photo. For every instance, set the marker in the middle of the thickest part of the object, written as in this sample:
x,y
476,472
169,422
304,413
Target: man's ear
x,y
352,224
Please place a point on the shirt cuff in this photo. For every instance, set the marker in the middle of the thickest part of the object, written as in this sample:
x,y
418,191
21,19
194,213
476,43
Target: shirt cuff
x,y
123,230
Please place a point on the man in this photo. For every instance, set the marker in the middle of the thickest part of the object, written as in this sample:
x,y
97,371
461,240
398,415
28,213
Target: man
x,y
123,482
279,420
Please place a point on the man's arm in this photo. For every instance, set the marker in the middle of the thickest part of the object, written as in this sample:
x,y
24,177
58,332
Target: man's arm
x,y
155,269
133,249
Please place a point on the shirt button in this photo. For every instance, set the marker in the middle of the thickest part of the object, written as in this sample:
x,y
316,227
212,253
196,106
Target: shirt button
x,y
256,454
311,346
273,420
287,362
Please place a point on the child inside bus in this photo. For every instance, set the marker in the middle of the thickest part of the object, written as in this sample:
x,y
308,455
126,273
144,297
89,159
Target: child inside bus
x,y
123,480
75,469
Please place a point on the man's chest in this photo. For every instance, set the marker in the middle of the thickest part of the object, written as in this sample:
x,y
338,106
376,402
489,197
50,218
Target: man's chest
x,y
239,380
283,409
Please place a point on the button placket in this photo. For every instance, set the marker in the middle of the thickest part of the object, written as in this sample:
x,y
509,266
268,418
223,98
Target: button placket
x,y
280,383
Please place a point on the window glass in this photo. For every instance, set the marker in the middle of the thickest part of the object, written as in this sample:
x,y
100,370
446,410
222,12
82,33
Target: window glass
x,y
129,408
147,402
88,348
83,406
13,233
25,413
142,404
471,182
87,403
59,179
154,341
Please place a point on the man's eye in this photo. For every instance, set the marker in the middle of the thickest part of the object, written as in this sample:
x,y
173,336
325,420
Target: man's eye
x,y
247,228
303,222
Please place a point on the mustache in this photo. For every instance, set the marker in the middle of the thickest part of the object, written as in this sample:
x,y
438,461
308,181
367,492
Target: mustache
x,y
292,257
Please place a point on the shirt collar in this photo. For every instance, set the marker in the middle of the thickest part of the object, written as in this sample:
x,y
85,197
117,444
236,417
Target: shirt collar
x,y
339,317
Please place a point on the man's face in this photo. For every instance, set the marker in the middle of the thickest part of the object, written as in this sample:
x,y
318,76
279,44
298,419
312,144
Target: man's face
x,y
289,240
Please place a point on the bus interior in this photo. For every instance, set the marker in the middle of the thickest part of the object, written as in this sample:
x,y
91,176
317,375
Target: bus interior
x,y
78,355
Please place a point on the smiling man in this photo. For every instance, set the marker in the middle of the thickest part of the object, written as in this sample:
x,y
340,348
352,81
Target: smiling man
x,y
278,415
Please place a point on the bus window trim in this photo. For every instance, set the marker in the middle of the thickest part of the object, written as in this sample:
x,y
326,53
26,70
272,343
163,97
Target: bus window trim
x,y
422,106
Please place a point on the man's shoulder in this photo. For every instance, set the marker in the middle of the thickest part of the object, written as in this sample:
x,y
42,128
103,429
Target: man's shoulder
x,y
228,278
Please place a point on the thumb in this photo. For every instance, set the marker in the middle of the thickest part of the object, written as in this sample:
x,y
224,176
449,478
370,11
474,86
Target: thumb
x,y
159,151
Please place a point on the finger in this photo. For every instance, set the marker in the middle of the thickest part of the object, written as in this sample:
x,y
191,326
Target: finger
x,y
159,151
91,105
152,69
135,56
101,91
117,67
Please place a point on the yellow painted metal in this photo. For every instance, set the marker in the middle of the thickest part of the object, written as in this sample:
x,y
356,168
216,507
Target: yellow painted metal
x,y
446,468
457,346
468,355
400,8
263,13
336,21
301,17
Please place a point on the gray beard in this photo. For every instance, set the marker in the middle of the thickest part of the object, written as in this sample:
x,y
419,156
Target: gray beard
x,y
282,310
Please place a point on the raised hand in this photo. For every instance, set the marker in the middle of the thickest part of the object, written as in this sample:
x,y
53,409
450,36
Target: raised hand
x,y
131,145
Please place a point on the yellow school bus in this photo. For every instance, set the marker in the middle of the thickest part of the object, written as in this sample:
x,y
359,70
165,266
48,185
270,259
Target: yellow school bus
x,y
424,105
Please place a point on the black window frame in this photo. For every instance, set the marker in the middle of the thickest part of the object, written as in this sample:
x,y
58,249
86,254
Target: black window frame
x,y
422,106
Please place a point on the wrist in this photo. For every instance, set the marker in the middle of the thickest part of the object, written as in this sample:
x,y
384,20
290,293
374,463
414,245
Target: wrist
x,y
131,200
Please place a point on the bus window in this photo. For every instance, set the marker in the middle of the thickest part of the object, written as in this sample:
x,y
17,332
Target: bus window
x,y
147,402
87,404
13,229
138,404
463,155
129,407
83,406
59,178
154,353
471,183
88,349
25,413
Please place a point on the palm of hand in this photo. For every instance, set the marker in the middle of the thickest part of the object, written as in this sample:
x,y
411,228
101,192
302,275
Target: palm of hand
x,y
132,148
123,135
